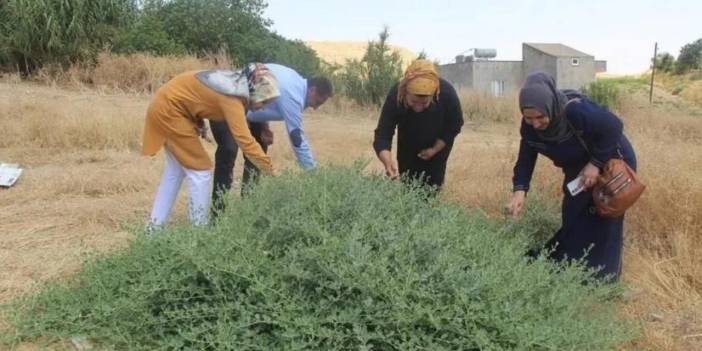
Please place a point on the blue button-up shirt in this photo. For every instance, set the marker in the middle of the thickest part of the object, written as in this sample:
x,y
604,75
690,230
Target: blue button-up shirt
x,y
288,107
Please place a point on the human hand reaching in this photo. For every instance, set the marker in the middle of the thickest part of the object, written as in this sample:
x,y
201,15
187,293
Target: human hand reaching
x,y
589,175
516,204
267,136
427,154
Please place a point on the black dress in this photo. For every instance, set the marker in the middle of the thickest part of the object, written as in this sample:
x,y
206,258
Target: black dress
x,y
443,120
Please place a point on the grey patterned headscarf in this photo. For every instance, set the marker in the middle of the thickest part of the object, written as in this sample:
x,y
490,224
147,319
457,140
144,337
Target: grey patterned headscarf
x,y
539,92
255,82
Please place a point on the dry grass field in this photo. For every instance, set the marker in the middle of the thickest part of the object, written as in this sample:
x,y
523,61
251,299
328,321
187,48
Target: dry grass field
x,y
85,185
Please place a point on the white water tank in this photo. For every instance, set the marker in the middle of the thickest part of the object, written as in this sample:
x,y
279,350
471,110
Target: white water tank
x,y
484,53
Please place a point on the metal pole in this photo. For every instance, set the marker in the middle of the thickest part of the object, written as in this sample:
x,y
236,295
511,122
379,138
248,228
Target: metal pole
x,y
653,73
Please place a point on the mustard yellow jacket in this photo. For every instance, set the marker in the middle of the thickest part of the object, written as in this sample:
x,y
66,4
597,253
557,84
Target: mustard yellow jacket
x,y
182,103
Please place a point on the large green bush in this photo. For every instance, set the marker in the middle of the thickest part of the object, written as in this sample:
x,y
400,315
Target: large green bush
x,y
367,81
36,32
277,49
330,260
605,92
690,57
665,62
148,34
207,26
295,54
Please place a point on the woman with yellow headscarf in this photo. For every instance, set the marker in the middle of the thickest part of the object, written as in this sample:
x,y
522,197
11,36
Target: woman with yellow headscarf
x,y
427,114
174,122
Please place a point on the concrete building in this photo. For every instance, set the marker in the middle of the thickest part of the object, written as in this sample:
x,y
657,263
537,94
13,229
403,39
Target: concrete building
x,y
571,68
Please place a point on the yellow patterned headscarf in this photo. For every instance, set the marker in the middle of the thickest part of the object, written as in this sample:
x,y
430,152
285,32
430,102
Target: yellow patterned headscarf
x,y
420,78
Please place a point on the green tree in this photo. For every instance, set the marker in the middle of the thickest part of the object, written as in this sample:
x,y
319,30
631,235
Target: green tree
x,y
384,67
690,57
367,81
665,62
36,32
33,33
204,26
295,54
147,35
238,26
353,79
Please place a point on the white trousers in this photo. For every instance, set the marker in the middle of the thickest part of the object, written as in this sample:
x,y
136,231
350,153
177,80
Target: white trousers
x,y
198,193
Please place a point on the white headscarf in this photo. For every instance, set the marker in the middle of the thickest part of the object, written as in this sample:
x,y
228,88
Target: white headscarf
x,y
255,82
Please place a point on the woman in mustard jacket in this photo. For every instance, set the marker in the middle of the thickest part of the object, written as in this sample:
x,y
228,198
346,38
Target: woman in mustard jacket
x,y
173,121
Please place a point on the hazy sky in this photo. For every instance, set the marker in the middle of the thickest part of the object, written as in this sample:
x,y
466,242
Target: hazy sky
x,y
621,32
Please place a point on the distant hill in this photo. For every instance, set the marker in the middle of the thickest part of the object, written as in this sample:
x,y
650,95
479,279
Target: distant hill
x,y
339,51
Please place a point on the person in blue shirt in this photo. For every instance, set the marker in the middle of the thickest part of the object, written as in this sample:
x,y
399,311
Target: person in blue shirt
x,y
296,94
579,136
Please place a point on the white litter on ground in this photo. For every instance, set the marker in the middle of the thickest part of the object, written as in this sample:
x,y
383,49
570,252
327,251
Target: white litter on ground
x,y
9,173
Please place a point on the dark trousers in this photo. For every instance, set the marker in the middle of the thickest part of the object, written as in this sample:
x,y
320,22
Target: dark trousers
x,y
224,161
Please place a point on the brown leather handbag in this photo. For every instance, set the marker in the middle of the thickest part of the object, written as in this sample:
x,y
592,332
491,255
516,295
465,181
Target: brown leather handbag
x,y
617,187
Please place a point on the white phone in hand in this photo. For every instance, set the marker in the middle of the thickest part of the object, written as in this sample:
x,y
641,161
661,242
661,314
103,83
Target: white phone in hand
x,y
575,187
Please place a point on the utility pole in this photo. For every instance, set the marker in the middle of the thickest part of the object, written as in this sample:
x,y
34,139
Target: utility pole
x,y
653,72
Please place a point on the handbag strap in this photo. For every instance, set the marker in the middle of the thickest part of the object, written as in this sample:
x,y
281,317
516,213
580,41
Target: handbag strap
x,y
582,141
572,128
578,136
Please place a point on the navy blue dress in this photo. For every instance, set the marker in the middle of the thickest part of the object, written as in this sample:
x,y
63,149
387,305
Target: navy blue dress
x,y
581,228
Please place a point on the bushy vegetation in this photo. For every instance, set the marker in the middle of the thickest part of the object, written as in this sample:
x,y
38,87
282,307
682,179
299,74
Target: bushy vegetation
x,y
291,53
682,76
610,91
331,260
665,62
690,57
605,92
148,34
36,33
367,81
33,33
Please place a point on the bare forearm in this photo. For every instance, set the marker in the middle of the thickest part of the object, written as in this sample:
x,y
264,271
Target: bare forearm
x,y
385,156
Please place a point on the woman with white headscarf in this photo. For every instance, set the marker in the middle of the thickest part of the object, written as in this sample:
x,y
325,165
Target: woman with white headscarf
x,y
174,119
579,136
